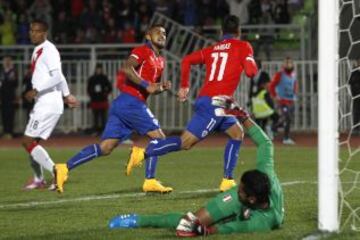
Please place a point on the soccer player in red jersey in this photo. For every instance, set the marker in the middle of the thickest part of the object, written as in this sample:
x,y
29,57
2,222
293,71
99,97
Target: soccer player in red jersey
x,y
128,112
224,61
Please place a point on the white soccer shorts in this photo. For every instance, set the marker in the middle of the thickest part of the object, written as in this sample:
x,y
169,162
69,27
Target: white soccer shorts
x,y
41,125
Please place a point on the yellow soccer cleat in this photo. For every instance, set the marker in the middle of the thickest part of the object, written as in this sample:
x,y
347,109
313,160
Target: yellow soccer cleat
x,y
226,184
153,185
61,176
137,155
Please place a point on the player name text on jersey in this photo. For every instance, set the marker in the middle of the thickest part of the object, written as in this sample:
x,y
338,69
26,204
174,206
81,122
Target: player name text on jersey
x,y
222,46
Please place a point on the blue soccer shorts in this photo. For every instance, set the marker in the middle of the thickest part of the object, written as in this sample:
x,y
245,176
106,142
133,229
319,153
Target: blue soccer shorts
x,y
128,114
204,120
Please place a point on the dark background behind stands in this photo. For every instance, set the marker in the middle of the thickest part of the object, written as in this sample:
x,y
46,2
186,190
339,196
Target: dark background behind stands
x,y
125,21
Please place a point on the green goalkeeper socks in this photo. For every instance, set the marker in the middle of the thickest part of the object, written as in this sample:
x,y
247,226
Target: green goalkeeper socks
x,y
169,220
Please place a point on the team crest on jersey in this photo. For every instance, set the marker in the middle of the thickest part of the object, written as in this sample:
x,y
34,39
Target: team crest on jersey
x,y
246,213
227,198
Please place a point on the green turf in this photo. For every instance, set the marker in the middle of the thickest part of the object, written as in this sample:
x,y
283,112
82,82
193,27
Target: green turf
x,y
65,217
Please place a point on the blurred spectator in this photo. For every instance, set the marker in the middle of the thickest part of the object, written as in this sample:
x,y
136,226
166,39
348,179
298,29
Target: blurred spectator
x,y
27,86
8,84
207,13
165,7
295,5
266,38
8,28
143,11
93,17
23,29
239,8
80,36
222,9
283,88
128,35
21,7
90,17
107,10
281,13
189,10
99,88
92,35
41,9
77,7
354,83
261,103
125,12
61,6
110,31
144,26
62,28
255,12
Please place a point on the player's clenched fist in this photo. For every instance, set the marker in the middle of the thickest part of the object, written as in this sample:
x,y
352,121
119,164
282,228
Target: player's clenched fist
x,y
71,101
30,95
190,226
166,85
153,88
183,94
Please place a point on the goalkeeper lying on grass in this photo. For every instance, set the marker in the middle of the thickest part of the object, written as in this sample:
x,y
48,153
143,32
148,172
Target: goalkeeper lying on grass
x,y
255,205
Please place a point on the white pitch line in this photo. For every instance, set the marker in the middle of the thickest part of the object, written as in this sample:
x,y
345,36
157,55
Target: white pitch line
x,y
115,196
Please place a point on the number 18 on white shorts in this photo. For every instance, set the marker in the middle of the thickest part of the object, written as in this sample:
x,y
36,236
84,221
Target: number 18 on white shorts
x,y
41,125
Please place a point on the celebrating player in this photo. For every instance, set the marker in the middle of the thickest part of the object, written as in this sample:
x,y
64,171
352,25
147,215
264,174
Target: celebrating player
x,y
224,62
256,205
129,112
48,89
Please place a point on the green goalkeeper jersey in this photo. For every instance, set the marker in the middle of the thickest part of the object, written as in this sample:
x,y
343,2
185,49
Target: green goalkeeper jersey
x,y
230,215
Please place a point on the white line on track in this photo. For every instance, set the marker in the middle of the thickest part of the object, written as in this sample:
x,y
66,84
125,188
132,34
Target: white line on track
x,y
115,196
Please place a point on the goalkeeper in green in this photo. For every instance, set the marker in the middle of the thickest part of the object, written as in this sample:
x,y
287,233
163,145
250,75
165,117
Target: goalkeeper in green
x,y
256,205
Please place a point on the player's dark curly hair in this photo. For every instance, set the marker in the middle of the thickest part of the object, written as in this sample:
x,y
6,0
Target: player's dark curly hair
x,y
230,25
43,23
156,25
256,184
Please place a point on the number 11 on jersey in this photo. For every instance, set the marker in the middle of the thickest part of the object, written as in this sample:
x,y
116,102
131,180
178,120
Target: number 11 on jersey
x,y
215,56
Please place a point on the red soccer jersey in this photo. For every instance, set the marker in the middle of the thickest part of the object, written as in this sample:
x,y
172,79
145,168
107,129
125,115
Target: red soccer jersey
x,y
224,62
150,69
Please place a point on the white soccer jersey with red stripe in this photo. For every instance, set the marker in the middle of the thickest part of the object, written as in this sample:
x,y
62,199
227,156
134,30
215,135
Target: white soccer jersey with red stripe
x,y
46,58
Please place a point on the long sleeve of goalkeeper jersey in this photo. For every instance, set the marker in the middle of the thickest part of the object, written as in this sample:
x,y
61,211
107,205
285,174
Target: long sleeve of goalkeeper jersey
x,y
196,57
259,222
264,152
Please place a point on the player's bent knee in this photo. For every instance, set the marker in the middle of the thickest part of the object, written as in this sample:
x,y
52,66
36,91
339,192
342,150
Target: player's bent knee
x,y
236,133
106,148
188,140
27,142
186,146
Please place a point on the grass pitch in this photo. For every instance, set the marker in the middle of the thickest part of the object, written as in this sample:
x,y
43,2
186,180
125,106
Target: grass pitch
x,y
99,190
